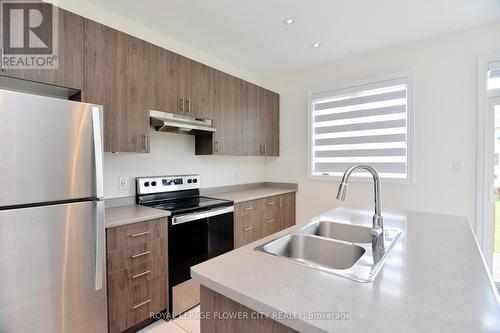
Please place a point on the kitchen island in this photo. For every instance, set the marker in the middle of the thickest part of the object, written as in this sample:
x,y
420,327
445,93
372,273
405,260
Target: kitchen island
x,y
434,279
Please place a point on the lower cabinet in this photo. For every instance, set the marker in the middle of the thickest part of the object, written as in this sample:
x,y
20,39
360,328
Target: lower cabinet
x,y
246,321
137,273
256,219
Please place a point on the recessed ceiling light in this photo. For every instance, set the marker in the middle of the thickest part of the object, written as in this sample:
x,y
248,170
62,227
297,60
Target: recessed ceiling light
x,y
288,21
315,45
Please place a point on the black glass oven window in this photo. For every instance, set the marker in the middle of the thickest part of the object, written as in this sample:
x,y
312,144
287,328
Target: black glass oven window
x,y
193,242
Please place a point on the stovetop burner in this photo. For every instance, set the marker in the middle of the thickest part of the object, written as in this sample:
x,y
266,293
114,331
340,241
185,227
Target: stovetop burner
x,y
189,204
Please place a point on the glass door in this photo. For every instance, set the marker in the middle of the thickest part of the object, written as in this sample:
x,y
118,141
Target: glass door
x,y
488,177
494,107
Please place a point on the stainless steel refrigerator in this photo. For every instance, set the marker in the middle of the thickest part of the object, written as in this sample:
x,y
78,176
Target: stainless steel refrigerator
x,y
52,276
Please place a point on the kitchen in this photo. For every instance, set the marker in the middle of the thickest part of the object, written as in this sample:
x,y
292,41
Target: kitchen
x,y
179,172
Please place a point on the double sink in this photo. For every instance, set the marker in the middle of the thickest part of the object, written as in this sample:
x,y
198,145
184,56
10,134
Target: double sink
x,y
338,248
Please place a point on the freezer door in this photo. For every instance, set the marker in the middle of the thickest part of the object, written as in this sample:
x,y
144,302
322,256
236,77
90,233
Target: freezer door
x,y
51,149
52,269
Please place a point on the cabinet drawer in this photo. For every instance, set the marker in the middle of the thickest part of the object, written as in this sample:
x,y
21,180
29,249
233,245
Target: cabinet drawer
x,y
138,274
246,229
145,298
137,254
245,208
136,234
269,215
130,306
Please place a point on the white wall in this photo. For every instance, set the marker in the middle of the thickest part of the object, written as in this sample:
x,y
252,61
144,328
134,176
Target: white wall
x,y
91,11
173,154
445,71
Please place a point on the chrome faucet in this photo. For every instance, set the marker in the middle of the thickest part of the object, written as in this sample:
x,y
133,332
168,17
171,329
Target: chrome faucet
x,y
377,231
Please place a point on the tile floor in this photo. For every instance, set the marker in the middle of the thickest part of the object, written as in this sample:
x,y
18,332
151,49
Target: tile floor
x,y
188,322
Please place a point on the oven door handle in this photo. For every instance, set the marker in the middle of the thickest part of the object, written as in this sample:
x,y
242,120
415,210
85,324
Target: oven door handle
x,y
178,219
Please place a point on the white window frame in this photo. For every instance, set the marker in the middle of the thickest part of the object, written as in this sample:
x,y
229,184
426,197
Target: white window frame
x,y
408,75
484,207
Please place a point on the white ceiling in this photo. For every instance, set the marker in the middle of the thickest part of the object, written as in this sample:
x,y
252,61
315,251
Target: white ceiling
x,y
250,33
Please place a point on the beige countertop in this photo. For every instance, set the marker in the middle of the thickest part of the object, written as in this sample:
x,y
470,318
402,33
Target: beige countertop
x,y
132,213
122,215
434,280
252,194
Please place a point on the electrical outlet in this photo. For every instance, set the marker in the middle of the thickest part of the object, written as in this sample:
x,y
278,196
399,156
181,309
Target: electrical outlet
x,y
457,166
122,183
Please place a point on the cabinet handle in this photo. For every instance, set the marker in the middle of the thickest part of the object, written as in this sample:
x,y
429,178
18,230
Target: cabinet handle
x,y
145,141
140,254
141,304
270,203
246,209
140,274
216,146
270,221
247,229
143,233
281,202
265,148
182,105
188,109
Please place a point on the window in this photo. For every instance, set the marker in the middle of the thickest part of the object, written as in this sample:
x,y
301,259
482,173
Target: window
x,y
368,123
494,76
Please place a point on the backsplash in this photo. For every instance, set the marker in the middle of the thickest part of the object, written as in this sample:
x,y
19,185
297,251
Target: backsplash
x,y
173,154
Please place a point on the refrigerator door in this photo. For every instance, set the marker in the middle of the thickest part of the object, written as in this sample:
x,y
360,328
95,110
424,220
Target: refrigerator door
x,y
52,269
51,149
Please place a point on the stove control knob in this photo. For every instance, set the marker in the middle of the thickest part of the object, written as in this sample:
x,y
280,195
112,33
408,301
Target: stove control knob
x,y
195,180
189,181
146,184
153,183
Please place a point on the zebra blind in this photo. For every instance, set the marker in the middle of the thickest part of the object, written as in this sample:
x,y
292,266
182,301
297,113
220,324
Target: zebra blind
x,y
366,124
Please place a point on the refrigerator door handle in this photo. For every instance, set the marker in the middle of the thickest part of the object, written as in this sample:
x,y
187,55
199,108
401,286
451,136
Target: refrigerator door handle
x,y
97,131
99,245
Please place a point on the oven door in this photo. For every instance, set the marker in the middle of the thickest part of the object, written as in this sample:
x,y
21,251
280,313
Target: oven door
x,y
194,238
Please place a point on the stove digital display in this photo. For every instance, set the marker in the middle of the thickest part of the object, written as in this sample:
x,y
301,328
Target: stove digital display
x,y
176,181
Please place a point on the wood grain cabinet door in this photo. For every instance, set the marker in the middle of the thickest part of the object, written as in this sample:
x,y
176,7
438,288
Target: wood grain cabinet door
x,y
287,215
118,75
272,147
252,122
140,92
269,122
201,100
105,80
184,84
166,76
228,115
69,72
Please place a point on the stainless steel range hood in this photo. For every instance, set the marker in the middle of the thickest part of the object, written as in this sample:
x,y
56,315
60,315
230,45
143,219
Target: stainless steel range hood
x,y
179,123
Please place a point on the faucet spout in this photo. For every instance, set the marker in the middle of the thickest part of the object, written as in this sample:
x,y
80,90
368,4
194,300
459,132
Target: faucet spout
x,y
378,221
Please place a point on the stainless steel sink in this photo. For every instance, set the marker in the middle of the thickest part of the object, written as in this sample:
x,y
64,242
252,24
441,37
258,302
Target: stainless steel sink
x,y
338,248
341,231
314,250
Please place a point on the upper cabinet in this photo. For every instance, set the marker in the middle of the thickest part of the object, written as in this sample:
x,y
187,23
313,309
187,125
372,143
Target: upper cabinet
x,y
246,118
130,77
269,106
118,72
228,117
69,73
182,85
